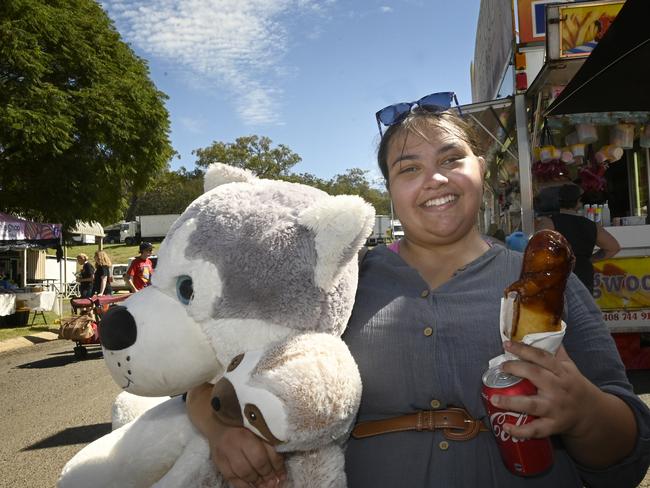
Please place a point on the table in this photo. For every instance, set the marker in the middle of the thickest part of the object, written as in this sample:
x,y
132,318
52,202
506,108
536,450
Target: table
x,y
41,301
7,304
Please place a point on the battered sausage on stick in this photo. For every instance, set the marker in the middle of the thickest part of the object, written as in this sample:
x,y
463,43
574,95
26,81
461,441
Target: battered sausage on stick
x,y
539,300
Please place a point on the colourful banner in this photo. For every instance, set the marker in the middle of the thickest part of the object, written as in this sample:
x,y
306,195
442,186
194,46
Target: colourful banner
x,y
14,229
583,25
622,283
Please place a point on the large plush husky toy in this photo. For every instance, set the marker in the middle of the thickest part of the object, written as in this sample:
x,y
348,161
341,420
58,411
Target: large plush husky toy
x,y
249,263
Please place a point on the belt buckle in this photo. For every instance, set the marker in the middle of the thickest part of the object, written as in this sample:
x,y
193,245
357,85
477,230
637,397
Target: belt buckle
x,y
470,430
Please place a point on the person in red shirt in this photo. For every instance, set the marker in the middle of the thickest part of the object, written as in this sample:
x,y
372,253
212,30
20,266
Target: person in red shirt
x,y
141,268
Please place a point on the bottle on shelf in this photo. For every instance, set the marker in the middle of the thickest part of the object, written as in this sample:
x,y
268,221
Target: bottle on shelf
x,y
607,216
598,213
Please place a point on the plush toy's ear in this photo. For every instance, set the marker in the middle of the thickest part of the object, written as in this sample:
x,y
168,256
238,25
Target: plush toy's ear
x,y
220,174
341,225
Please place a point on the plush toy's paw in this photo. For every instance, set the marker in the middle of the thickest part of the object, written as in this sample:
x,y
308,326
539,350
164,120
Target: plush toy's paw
x,y
135,455
128,407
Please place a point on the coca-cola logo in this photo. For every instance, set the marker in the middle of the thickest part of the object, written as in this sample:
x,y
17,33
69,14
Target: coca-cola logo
x,y
499,419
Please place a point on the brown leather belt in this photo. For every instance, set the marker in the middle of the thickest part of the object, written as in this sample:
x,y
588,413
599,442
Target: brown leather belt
x,y
456,424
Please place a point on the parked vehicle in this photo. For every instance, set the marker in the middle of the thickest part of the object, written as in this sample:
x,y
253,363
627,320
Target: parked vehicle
x,y
118,272
146,228
381,231
112,233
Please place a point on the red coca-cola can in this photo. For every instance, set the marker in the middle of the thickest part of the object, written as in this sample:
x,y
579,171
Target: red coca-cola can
x,y
524,457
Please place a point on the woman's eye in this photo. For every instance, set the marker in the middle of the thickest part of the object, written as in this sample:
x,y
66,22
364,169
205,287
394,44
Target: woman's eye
x,y
407,169
184,289
451,160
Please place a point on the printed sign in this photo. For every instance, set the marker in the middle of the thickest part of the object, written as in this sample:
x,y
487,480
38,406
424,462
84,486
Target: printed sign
x,y
583,25
622,284
532,20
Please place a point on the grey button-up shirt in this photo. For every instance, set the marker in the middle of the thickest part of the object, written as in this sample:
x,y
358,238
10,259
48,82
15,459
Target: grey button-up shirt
x,y
421,349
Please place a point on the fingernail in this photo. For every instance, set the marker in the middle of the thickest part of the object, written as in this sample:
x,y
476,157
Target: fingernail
x,y
495,400
507,345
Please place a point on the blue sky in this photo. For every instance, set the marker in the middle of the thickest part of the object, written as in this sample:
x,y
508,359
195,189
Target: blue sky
x,y
309,74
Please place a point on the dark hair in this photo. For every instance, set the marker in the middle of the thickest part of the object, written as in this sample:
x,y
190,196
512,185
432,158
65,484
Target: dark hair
x,y
417,122
145,246
569,195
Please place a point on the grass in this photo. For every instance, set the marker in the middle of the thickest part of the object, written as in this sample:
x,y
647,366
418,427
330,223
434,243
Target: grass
x,y
38,326
119,253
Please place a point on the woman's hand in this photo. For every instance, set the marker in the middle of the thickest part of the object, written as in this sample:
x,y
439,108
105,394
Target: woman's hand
x,y
240,456
598,429
244,459
562,393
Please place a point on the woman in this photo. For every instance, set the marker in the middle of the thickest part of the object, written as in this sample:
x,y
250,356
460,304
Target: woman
x,y
85,278
101,283
582,234
426,323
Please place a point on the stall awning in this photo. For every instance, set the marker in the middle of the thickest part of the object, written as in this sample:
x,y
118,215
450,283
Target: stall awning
x,y
615,77
87,228
491,120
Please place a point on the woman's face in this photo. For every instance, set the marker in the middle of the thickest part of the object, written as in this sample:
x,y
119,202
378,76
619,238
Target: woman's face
x,y
436,186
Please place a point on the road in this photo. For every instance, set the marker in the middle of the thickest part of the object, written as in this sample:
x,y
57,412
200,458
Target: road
x,y
53,405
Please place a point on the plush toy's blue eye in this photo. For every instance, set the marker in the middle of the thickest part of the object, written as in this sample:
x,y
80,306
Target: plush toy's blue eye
x,y
184,289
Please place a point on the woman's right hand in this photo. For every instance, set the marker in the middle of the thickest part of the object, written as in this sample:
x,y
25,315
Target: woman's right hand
x,y
241,457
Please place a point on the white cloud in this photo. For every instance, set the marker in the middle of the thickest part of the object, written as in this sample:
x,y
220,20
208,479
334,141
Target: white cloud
x,y
192,125
386,9
234,45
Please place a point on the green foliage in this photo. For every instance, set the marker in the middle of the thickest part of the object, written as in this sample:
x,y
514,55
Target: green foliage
x,y
170,193
250,152
81,123
255,154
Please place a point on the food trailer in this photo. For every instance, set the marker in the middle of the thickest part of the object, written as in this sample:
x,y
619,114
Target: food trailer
x,y
579,112
588,121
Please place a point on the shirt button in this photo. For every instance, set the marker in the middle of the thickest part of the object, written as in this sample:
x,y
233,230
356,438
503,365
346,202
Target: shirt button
x,y
424,294
435,404
444,445
428,331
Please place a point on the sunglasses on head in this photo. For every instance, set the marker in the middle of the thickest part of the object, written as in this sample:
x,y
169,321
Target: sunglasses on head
x,y
394,114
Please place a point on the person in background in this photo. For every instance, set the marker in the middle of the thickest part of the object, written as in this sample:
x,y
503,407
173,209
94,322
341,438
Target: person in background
x,y
101,282
582,233
141,268
425,324
86,276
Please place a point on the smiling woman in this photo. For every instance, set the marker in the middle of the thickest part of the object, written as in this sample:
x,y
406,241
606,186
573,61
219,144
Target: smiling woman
x,y
426,323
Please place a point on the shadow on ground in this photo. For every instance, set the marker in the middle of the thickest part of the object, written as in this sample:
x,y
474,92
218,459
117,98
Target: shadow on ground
x,y
73,435
59,360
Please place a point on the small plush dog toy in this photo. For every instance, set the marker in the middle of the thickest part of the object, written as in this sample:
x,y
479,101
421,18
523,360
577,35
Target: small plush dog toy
x,y
249,263
300,395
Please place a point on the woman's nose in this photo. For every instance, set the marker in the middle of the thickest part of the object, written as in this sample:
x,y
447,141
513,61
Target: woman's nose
x,y
436,179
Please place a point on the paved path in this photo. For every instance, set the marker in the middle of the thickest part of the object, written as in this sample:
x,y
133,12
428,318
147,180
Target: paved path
x,y
53,405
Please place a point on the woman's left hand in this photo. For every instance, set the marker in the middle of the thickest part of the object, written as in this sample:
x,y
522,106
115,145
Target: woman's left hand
x,y
563,397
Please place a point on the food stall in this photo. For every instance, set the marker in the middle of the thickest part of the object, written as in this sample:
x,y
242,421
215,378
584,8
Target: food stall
x,y
588,121
21,242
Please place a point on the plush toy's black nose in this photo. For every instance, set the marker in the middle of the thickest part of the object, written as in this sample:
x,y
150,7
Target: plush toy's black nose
x,y
117,330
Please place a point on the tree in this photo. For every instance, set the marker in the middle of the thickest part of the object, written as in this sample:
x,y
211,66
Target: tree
x,y
81,124
354,182
251,152
170,193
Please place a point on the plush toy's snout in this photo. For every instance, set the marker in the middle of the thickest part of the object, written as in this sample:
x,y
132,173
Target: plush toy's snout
x,y
118,329
226,404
